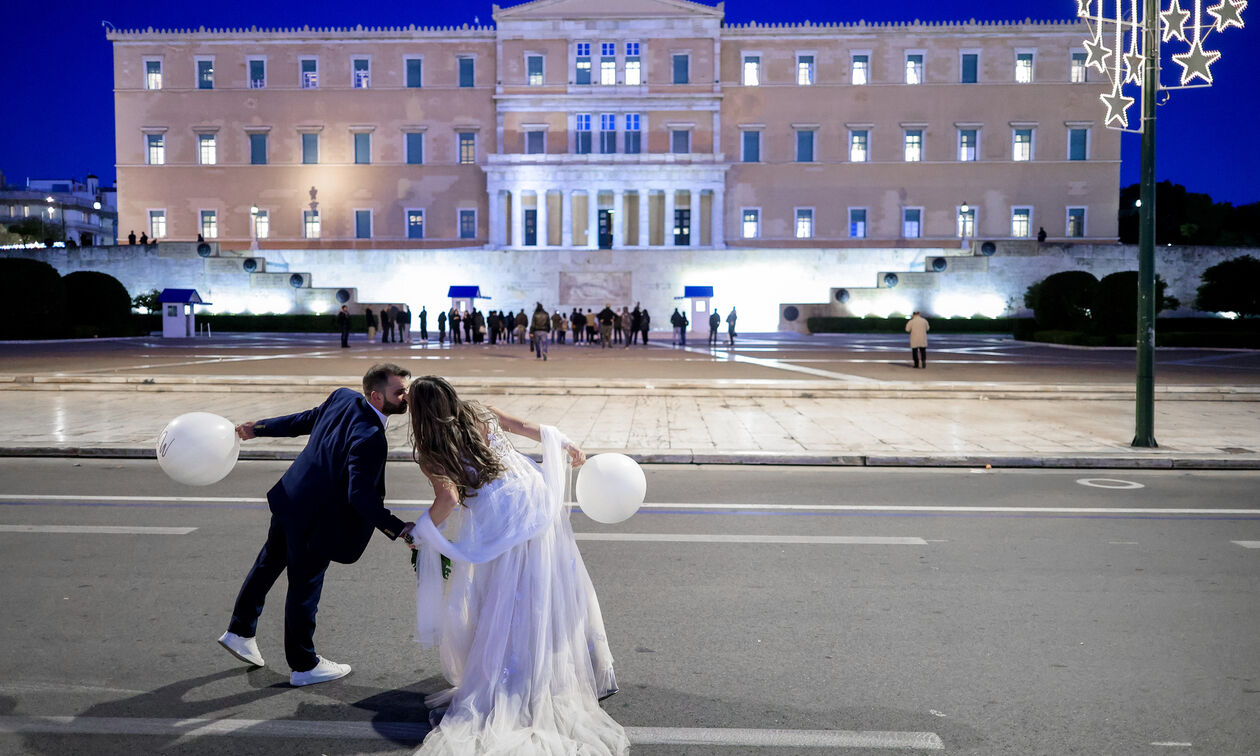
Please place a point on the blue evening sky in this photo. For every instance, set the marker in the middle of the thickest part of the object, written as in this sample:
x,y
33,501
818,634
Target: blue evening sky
x,y
57,102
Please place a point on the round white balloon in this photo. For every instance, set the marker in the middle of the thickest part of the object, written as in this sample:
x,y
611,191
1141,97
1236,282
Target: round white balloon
x,y
610,487
198,448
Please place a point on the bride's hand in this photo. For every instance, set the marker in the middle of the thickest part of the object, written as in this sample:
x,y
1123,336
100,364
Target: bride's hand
x,y
577,457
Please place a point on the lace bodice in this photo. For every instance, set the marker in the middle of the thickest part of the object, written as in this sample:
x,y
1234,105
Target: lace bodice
x,y
515,464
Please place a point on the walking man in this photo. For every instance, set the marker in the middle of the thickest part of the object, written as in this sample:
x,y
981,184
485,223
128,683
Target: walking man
x,y
918,327
343,322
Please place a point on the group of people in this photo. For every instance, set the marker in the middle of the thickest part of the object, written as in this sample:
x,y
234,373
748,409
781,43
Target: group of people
x,y
606,328
395,324
512,611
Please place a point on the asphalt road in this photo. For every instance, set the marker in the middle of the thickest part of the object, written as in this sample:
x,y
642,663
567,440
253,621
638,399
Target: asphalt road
x,y
985,612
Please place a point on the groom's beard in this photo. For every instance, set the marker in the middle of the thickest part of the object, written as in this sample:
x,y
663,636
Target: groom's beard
x,y
388,408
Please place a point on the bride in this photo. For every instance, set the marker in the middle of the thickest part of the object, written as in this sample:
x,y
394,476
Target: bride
x,y
516,622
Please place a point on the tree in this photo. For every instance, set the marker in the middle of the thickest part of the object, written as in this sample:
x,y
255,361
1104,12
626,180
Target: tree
x,y
1231,286
1115,304
36,230
148,301
1185,217
97,304
34,299
1063,300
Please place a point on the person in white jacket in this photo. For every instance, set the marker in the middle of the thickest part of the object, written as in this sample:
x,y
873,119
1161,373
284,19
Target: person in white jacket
x,y
918,328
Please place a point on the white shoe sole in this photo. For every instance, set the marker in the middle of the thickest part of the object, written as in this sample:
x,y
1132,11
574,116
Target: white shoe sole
x,y
255,662
316,681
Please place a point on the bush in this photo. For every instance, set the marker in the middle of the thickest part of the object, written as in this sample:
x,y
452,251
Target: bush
x,y
1115,303
1063,301
287,323
97,304
34,297
1231,286
876,324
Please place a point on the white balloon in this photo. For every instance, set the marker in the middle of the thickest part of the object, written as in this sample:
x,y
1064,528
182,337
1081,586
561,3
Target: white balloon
x,y
198,448
610,487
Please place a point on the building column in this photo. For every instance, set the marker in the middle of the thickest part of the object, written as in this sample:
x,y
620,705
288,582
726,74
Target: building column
x,y
619,218
695,217
718,208
496,217
566,217
668,230
518,219
645,202
592,218
543,224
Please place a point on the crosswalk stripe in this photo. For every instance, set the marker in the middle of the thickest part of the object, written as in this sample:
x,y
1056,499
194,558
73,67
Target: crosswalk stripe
x,y
713,538
95,529
1248,544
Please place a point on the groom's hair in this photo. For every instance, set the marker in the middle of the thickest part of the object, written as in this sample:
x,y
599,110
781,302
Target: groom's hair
x,y
377,377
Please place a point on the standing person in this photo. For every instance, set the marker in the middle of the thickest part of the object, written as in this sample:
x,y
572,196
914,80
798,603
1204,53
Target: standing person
x,y
529,657
557,321
479,327
715,321
404,325
578,321
493,324
387,326
469,319
424,325
591,323
522,325
645,325
564,327
636,322
370,317
323,510
131,237
616,339
455,321
343,323
607,317
918,328
144,238
441,327
730,327
539,330
680,323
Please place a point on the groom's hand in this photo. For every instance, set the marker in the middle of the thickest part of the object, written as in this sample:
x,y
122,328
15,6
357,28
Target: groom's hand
x,y
405,535
245,430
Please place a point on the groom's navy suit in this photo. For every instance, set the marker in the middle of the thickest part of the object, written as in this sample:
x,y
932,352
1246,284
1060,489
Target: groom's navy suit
x,y
323,509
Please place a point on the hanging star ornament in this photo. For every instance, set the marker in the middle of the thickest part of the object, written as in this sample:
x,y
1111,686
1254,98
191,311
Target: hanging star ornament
x,y
1133,63
1117,106
1097,53
1175,22
1082,8
1196,63
1228,14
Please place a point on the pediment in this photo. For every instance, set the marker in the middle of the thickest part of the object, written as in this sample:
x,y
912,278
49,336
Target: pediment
x,y
594,9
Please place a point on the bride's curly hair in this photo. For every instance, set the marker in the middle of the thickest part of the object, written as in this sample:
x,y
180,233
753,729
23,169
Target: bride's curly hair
x,y
446,438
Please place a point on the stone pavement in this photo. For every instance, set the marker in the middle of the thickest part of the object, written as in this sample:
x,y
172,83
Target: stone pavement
x,y
773,399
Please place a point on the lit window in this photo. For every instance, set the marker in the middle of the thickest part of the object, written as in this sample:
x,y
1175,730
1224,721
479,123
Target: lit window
x,y
805,70
752,70
805,146
310,224
262,224
363,224
153,74
534,70
583,63
805,223
634,68
1076,221
857,223
861,69
914,145
1021,222
205,74
310,73
466,71
970,64
535,142
157,224
209,224
468,224
1023,68
752,146
1079,72
910,218
415,224
1078,144
157,148
914,68
858,146
607,133
682,68
751,225
966,223
310,149
1022,145
206,149
608,64
680,141
582,133
467,148
362,73
634,135
967,140
257,74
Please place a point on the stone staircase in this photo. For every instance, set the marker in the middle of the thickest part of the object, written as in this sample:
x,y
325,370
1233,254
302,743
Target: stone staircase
x,y
287,291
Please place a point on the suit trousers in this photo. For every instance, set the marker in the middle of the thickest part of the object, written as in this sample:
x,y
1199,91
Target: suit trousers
x,y
306,582
920,355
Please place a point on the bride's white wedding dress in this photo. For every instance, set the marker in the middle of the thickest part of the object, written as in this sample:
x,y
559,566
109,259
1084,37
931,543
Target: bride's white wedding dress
x,y
517,623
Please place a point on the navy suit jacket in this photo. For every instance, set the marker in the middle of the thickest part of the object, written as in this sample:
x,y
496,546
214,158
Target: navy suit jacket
x,y
332,496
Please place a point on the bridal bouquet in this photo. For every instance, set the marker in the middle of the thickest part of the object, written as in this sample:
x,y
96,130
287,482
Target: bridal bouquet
x,y
415,555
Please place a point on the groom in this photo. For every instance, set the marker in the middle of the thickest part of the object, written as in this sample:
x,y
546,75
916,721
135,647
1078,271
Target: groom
x,y
323,510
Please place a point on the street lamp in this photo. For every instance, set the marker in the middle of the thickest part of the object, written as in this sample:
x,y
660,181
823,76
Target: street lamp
x,y
52,211
963,211
253,228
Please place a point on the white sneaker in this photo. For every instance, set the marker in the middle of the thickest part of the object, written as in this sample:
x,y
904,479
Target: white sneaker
x,y
325,671
245,649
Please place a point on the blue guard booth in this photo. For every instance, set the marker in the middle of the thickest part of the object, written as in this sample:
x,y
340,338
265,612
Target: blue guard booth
x,y
178,320
699,305
463,298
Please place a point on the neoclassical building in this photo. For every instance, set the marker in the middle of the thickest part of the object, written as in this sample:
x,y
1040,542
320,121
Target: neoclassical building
x,y
614,124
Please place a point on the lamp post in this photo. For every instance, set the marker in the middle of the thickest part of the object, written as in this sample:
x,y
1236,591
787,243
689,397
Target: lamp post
x,y
963,211
253,228
52,211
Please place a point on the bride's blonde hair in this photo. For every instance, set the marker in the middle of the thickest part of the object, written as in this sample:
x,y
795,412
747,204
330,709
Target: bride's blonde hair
x,y
446,438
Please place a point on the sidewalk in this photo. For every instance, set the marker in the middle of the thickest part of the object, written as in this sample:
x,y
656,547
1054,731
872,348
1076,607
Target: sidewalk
x,y
729,408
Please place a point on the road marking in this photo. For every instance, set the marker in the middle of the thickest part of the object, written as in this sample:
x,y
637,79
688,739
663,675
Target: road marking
x,y
708,538
1248,544
95,529
288,728
1173,745
89,498
1113,484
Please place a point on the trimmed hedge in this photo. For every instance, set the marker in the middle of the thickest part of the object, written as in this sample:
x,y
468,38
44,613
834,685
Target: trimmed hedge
x,y
1203,333
287,323
97,304
823,324
34,299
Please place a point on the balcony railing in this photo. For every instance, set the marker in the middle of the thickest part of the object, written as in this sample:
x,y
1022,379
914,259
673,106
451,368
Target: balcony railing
x,y
257,83
310,80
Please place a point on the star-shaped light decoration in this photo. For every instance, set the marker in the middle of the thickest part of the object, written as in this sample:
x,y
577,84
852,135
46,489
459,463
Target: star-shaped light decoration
x,y
1196,63
1175,22
1133,63
1082,8
1117,106
1227,13
1097,53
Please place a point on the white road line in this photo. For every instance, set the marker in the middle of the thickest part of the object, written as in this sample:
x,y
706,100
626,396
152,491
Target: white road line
x,y
288,728
95,529
1248,544
707,538
678,505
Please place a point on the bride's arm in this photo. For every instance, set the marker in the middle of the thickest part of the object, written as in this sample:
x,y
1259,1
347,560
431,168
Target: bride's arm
x,y
530,430
445,497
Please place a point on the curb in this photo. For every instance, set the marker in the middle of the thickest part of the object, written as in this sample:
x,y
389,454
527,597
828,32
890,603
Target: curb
x,y
997,461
